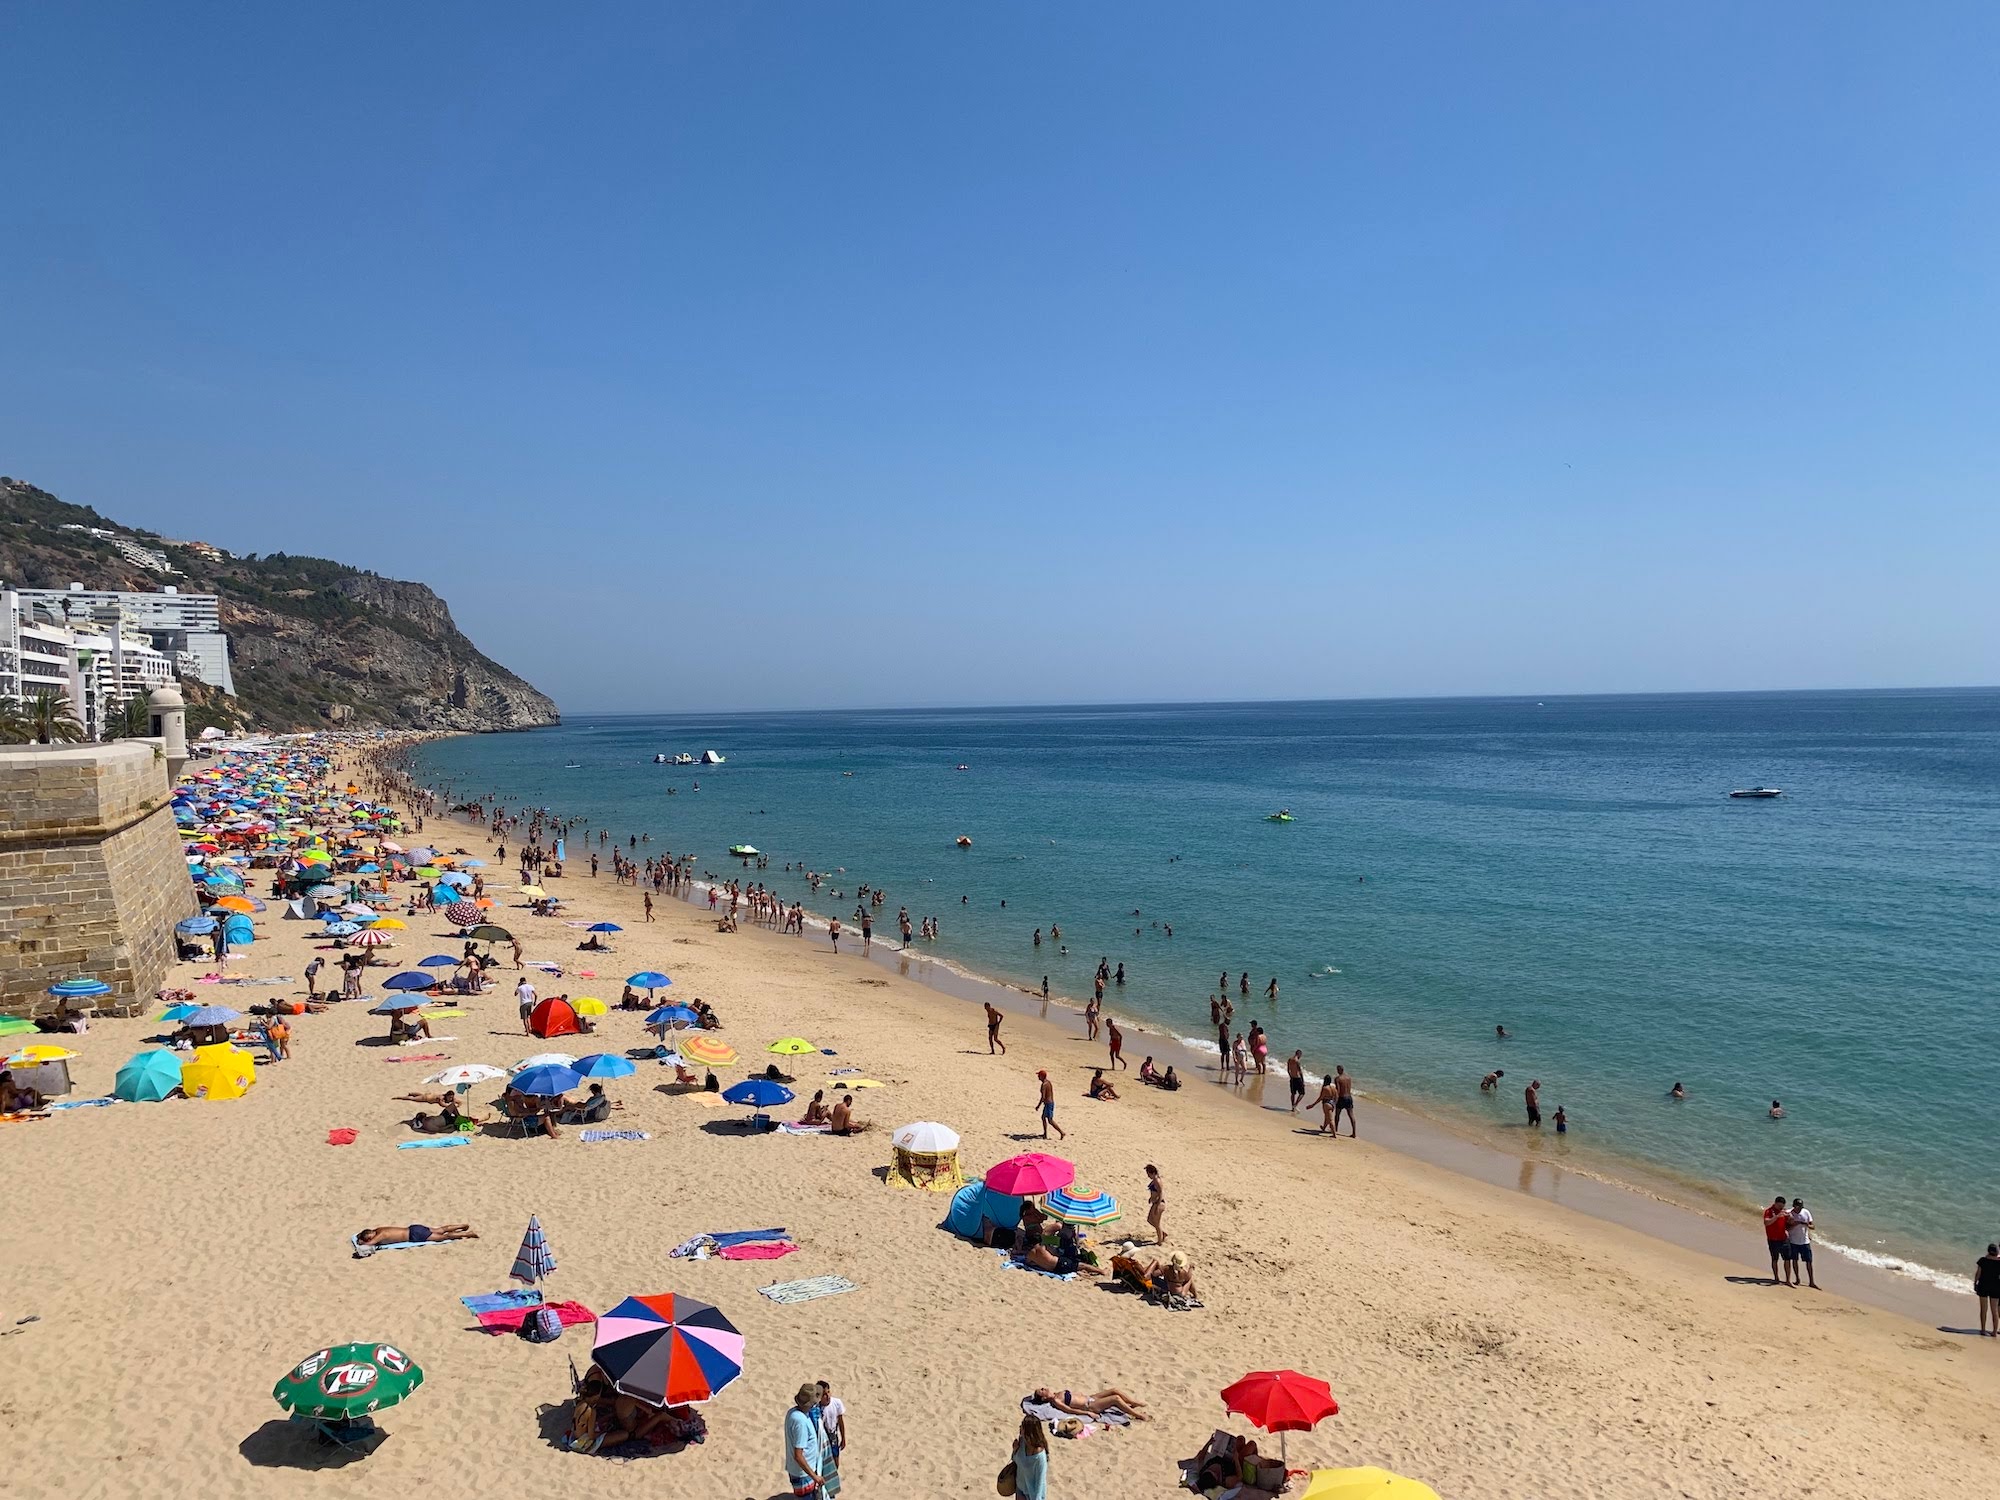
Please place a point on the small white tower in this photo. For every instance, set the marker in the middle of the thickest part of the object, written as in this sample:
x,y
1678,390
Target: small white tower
x,y
169,711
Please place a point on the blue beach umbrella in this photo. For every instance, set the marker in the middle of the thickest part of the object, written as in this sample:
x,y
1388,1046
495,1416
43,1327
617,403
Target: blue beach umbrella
x,y
455,879
342,929
213,1015
534,1260
604,927
438,961
604,1065
78,989
672,1015
648,979
409,979
758,1093
390,1004
322,890
545,1081
148,1077
195,926
178,1012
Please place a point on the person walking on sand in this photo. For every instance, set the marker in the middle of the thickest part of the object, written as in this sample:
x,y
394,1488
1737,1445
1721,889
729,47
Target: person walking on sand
x,y
1343,1100
1325,1103
1156,1204
1295,1070
802,1450
525,997
1030,1461
868,931
1798,1238
993,1042
1092,1008
1774,1237
1986,1287
833,934
312,976
1116,1039
1048,1106
649,906
1533,1095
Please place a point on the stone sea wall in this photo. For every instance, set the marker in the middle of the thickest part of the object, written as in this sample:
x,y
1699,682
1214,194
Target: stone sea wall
x,y
92,878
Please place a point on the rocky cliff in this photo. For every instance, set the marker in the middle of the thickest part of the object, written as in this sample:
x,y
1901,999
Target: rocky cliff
x,y
312,642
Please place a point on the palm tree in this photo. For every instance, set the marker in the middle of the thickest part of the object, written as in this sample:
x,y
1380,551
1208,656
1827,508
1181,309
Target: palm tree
x,y
132,722
13,723
50,719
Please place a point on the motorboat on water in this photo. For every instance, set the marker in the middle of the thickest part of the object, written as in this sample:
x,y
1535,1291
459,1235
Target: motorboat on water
x,y
710,758
572,765
744,851
1282,815
961,766
1758,792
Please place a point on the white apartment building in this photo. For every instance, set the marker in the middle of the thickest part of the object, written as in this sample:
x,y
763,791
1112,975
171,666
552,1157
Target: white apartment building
x,y
98,669
189,625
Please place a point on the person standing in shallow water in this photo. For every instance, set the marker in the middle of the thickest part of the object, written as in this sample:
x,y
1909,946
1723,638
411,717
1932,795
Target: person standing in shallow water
x,y
1986,1287
1532,1095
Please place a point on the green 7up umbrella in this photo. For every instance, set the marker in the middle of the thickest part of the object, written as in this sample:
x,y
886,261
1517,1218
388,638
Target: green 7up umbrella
x,y
348,1380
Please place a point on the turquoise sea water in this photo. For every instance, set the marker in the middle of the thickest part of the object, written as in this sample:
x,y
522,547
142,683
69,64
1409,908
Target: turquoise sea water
x,y
1571,868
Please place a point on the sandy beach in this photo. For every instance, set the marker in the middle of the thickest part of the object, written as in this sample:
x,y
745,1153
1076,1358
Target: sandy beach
x,y
178,1258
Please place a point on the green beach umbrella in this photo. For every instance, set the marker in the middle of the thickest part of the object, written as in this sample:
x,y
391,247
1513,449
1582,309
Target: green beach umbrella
x,y
348,1380
15,1026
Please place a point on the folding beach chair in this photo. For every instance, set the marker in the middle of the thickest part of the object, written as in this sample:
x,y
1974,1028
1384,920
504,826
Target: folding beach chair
x,y
354,1433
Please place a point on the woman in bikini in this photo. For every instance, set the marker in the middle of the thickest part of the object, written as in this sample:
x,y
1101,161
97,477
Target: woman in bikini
x,y
1094,1405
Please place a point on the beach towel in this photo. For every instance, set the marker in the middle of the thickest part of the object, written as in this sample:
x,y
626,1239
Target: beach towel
x,y
510,1319
445,1015
342,1135
419,1057
424,1041
362,1252
772,1251
799,1127
436,1143
708,1101
617,1135
844,1073
709,1243
1008,1262
514,1298
807,1290
1117,1416
82,1103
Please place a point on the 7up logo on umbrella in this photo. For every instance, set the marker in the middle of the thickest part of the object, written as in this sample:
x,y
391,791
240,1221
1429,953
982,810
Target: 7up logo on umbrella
x,y
348,1379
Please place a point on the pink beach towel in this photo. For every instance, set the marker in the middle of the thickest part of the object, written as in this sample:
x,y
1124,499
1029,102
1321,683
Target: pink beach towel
x,y
510,1319
419,1057
765,1251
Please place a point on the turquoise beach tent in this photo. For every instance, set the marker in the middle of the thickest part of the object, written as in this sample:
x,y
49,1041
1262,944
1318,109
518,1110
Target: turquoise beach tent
x,y
974,1203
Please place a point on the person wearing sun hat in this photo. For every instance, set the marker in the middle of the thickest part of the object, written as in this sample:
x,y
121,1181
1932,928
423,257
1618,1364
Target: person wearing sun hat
x,y
802,1434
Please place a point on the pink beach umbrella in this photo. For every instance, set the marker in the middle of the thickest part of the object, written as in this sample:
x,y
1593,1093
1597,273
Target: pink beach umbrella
x,y
1030,1175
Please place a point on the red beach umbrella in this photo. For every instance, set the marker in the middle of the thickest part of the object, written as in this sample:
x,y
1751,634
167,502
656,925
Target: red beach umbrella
x,y
1281,1401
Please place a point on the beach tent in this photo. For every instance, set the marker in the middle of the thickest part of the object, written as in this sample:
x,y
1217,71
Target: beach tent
x,y
555,1017
219,1071
972,1204
925,1155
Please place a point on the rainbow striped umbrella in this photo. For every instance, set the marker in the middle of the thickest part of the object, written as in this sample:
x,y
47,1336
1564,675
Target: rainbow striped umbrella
x,y
668,1350
534,1260
707,1051
1079,1205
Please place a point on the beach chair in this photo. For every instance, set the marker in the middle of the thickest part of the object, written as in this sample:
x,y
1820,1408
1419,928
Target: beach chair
x,y
354,1433
1127,1273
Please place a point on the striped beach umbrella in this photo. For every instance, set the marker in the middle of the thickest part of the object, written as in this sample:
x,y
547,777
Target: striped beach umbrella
x,y
668,1350
462,913
534,1260
1078,1205
78,989
707,1051
369,938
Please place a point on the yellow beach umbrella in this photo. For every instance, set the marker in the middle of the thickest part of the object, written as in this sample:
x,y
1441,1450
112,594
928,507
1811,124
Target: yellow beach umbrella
x,y
1365,1483
41,1052
532,890
390,924
585,1005
708,1051
793,1046
219,1071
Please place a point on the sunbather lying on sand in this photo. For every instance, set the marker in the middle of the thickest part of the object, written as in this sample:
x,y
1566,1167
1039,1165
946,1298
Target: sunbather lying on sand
x,y
444,1122
1093,1405
414,1234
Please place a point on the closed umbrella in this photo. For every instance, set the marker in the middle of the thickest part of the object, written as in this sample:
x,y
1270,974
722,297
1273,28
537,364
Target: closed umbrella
x,y
668,1350
534,1260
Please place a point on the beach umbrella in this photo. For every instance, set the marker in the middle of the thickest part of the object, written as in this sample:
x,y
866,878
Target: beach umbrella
x,y
218,1071
672,1015
1365,1483
465,1075
604,927
486,932
589,1005
604,1065
348,1380
78,989
390,1004
545,1060
925,1135
544,1082
709,1052
438,961
1075,1205
370,938
461,913
16,1025
534,1260
423,854
1281,1401
178,1012
758,1093
388,924
535,892
40,1052
1030,1174
473,864
648,979
148,1077
455,879
410,979
668,1350
195,926
341,929
320,892
213,1015
792,1046
361,911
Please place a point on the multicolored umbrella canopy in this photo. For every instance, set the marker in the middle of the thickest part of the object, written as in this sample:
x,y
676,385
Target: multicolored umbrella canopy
x,y
604,1065
534,1260
668,1350
707,1051
792,1046
1365,1483
148,1077
1030,1174
346,1380
1075,1205
78,989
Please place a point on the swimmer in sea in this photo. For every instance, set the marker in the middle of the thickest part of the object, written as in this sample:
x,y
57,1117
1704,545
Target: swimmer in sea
x,y
1492,1080
1677,1091
1777,1111
1500,1032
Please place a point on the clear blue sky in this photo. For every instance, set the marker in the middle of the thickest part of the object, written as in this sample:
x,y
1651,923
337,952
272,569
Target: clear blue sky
x,y
746,355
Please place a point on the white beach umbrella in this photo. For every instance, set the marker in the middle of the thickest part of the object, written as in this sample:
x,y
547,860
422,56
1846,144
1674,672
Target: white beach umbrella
x,y
463,1077
545,1060
925,1135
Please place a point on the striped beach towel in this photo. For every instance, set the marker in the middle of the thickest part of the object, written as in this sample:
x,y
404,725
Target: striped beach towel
x,y
808,1290
617,1135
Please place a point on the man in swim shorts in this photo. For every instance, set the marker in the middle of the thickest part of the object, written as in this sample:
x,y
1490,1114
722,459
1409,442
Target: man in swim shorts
x,y
1343,1100
1048,1106
1295,1068
1533,1096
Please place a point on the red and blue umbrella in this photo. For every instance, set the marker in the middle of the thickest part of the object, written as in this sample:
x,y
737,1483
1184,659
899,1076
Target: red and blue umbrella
x,y
668,1350
534,1260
